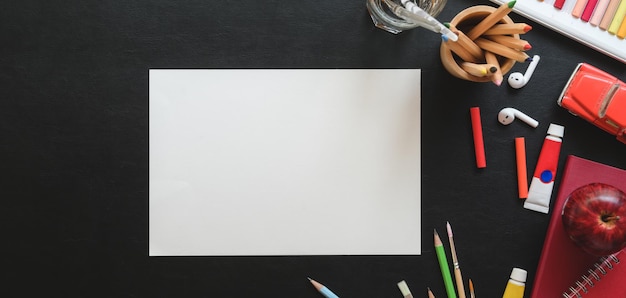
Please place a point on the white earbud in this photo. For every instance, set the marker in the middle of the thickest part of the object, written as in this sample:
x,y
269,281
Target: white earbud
x,y
507,115
518,80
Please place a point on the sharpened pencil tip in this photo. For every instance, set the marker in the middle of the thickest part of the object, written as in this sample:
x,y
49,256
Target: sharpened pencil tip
x,y
511,4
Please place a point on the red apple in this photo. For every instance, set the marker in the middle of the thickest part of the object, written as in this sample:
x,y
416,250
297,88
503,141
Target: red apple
x,y
594,217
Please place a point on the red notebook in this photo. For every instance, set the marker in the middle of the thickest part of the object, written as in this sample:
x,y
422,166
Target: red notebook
x,y
564,270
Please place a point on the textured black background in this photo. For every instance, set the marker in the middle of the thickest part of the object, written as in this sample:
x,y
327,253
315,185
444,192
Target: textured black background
x,y
74,145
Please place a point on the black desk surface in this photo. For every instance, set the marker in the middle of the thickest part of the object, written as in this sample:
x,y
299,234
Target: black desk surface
x,y
74,145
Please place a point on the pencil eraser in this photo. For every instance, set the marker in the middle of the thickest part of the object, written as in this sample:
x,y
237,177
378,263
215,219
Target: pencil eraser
x,y
477,131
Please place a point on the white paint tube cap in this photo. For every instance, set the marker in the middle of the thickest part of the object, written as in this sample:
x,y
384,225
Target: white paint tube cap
x,y
556,130
518,274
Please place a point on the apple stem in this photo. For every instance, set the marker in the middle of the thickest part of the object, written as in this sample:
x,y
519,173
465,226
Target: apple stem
x,y
607,218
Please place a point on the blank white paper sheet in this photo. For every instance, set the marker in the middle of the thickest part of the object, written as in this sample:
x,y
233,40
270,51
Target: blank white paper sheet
x,y
284,162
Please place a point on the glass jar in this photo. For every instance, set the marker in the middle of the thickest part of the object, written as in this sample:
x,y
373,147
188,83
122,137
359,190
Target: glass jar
x,y
388,14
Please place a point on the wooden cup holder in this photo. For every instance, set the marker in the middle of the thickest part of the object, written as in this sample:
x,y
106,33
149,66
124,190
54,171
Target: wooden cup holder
x,y
464,21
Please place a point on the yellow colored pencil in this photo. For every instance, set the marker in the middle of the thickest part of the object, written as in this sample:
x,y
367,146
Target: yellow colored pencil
x,y
479,70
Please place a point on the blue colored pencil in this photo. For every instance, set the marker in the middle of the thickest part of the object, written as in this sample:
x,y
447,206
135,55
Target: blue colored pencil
x,y
323,289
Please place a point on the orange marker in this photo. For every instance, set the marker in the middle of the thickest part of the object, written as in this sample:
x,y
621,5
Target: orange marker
x,y
520,158
477,131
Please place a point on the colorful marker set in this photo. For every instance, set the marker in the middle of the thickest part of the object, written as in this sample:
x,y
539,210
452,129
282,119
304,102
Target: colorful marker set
x,y
599,24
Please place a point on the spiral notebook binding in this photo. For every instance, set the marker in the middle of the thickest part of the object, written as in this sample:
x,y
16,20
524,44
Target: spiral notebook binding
x,y
594,274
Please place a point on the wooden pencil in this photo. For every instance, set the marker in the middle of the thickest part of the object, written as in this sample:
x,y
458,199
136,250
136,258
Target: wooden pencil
x,y
497,76
479,70
460,51
511,42
502,50
506,29
491,20
455,263
466,42
430,294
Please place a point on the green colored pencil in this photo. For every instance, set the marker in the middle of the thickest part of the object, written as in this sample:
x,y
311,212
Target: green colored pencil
x,y
445,268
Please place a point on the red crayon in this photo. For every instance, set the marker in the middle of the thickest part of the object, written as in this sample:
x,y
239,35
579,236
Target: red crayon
x,y
591,5
559,4
477,131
